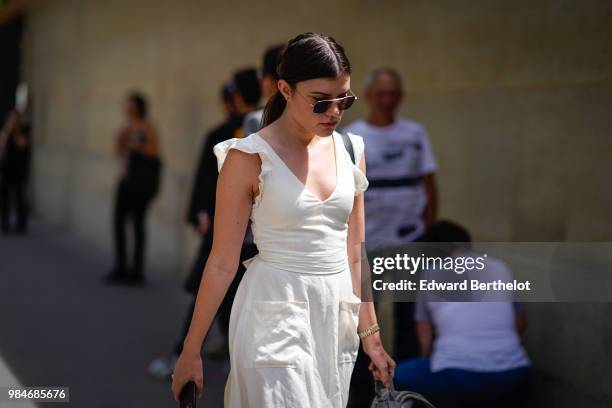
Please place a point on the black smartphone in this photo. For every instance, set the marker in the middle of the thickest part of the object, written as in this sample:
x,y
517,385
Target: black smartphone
x,y
188,395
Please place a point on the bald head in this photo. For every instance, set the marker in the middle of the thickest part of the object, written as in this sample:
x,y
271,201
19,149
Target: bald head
x,y
387,74
383,92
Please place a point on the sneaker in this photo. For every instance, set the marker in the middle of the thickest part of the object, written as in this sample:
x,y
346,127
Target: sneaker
x,y
161,368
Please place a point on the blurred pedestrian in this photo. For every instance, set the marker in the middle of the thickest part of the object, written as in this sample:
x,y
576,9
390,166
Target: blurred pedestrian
x,y
15,148
402,199
228,94
269,79
137,146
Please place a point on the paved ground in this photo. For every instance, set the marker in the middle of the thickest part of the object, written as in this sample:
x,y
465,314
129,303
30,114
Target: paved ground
x,y
62,327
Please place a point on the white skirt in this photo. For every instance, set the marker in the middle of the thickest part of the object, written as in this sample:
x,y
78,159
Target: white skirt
x,y
292,338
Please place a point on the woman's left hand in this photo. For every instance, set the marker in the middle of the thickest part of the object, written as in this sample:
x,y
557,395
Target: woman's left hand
x,y
382,365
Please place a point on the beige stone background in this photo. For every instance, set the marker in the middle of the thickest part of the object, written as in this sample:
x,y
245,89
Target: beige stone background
x,y
516,96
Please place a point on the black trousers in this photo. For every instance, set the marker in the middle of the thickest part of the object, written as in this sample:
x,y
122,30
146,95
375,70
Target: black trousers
x,y
12,193
224,312
131,205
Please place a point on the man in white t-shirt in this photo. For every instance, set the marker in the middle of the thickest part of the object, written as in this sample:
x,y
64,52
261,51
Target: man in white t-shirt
x,y
401,199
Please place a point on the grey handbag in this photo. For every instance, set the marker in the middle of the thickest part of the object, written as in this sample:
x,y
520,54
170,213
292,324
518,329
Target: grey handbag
x,y
391,398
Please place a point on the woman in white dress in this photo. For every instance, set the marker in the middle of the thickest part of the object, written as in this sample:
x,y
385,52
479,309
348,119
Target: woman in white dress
x,y
295,319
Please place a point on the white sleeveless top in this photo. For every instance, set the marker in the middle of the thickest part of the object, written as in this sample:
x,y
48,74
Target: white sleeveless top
x,y
292,228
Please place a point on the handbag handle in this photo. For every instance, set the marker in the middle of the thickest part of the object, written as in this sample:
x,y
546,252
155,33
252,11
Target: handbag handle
x,y
389,393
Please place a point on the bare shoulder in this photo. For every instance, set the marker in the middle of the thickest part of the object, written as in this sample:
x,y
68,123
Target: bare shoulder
x,y
239,173
242,160
240,167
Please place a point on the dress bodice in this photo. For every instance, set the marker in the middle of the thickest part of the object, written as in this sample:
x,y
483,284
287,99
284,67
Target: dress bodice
x,y
292,228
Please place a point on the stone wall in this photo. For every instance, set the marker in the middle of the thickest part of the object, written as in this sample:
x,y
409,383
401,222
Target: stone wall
x,y
516,97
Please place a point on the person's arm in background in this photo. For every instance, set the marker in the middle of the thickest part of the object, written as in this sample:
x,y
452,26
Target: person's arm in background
x,y
428,170
425,337
431,210
424,328
4,136
19,133
520,319
8,127
22,139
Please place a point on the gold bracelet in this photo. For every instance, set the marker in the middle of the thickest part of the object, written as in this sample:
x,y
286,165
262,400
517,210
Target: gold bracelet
x,y
370,330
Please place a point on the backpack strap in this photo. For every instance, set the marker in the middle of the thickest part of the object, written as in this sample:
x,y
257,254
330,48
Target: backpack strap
x,y
348,145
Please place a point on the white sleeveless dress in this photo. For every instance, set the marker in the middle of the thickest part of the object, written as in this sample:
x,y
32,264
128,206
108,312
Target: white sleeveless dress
x,y
293,327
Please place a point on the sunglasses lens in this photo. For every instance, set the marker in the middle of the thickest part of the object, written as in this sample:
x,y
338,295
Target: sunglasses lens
x,y
346,103
343,104
321,106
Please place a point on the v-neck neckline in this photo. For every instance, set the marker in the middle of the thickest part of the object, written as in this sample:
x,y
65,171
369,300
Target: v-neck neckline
x,y
303,186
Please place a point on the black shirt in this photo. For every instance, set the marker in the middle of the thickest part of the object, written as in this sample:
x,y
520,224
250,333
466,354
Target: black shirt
x,y
14,162
203,194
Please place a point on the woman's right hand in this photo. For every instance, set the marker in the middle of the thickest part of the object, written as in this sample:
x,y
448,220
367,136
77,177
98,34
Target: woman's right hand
x,y
188,368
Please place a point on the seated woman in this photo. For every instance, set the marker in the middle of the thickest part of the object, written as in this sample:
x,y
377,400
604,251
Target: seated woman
x,y
471,351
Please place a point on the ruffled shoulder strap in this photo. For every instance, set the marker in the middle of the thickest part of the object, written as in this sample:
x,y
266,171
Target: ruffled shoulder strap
x,y
245,144
361,182
248,144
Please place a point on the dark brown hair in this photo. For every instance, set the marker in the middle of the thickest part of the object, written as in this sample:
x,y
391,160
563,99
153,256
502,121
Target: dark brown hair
x,y
140,103
307,56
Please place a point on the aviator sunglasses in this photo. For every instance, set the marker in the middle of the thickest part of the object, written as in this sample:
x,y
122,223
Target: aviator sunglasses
x,y
323,105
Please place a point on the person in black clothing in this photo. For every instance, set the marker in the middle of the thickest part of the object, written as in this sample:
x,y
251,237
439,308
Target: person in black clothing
x,y
200,215
137,145
14,168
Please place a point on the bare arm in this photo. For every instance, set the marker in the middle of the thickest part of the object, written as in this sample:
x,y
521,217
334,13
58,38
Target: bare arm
x,y
233,206
381,365
22,140
424,331
8,127
431,210
356,236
